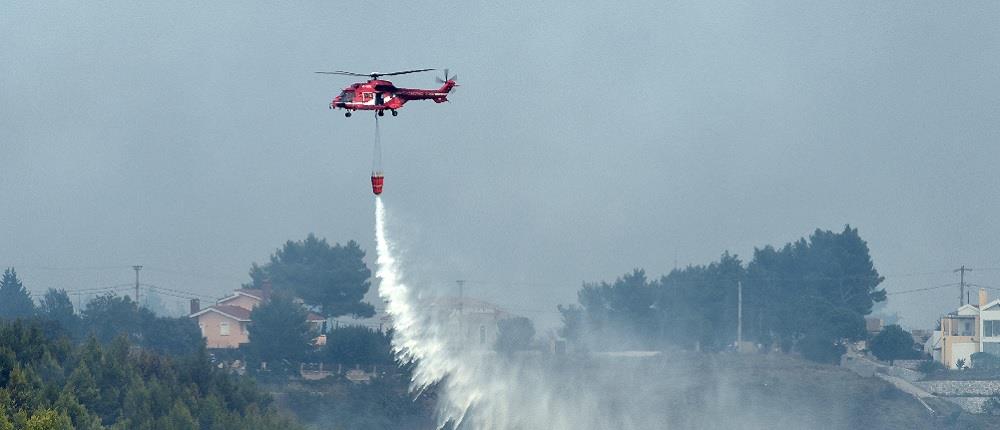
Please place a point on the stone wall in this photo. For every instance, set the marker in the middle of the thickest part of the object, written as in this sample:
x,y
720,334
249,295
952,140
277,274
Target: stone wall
x,y
970,395
961,388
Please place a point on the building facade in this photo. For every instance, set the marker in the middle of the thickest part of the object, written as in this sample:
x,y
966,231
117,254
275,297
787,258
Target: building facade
x,y
225,324
970,329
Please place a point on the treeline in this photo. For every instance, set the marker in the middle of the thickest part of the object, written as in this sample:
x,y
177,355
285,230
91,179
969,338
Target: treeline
x,y
104,317
810,295
49,384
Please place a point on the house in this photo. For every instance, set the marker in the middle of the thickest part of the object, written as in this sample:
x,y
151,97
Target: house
x,y
226,323
223,326
932,346
873,325
472,323
966,331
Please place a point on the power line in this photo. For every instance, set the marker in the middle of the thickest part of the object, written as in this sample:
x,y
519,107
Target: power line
x,y
70,269
917,290
189,294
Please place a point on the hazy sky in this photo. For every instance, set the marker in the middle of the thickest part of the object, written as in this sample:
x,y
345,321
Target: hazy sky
x,y
587,139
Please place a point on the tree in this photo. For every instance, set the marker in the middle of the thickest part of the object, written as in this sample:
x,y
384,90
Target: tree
x,y
15,301
56,306
624,306
572,318
829,272
514,334
892,343
696,305
333,278
820,348
358,345
48,419
108,316
278,331
172,336
824,340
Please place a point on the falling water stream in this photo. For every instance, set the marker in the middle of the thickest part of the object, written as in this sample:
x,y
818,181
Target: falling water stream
x,y
481,389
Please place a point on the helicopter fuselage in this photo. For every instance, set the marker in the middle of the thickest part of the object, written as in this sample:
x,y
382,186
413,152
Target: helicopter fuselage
x,y
381,95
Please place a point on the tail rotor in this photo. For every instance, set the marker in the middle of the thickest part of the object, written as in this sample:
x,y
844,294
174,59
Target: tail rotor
x,y
447,78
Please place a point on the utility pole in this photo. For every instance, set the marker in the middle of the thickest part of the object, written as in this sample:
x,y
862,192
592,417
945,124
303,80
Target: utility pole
x,y
961,293
137,269
739,316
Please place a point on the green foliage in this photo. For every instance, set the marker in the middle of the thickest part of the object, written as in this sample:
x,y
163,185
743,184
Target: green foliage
x,y
48,419
5,423
892,343
382,404
56,306
333,278
573,325
15,301
279,333
94,387
984,361
515,334
109,316
929,367
352,345
820,348
810,295
992,405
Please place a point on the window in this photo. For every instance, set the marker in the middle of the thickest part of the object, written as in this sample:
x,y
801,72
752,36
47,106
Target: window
x,y
201,327
243,328
223,329
991,328
962,327
482,335
347,96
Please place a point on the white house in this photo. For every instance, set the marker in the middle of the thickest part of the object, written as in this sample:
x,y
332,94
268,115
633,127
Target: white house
x,y
989,320
970,329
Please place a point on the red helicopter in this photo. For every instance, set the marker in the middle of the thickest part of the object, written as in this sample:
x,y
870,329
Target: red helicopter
x,y
381,95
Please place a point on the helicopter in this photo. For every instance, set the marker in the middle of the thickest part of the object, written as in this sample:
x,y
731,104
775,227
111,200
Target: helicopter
x,y
380,95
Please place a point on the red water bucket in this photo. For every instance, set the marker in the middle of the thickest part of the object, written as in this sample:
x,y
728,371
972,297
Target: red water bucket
x,y
377,180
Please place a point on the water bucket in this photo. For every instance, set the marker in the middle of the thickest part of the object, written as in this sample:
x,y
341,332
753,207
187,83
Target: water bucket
x,y
377,180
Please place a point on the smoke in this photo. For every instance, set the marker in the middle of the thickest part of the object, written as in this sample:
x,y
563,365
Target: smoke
x,y
478,389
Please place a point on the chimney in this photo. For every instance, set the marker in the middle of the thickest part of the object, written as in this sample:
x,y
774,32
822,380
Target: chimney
x,y
266,287
195,306
982,298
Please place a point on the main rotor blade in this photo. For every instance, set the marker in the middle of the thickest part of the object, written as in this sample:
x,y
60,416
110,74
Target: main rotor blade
x,y
399,73
341,72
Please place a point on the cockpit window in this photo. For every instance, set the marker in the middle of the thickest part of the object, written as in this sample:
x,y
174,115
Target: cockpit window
x,y
347,96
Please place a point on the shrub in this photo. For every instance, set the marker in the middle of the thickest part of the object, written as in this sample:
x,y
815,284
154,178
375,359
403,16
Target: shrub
x,y
992,406
984,361
930,367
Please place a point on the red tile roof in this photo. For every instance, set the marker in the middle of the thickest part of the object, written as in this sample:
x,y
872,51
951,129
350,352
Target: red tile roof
x,y
240,314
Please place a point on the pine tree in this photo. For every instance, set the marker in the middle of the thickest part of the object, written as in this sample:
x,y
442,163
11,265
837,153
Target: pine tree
x,y
15,301
48,419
